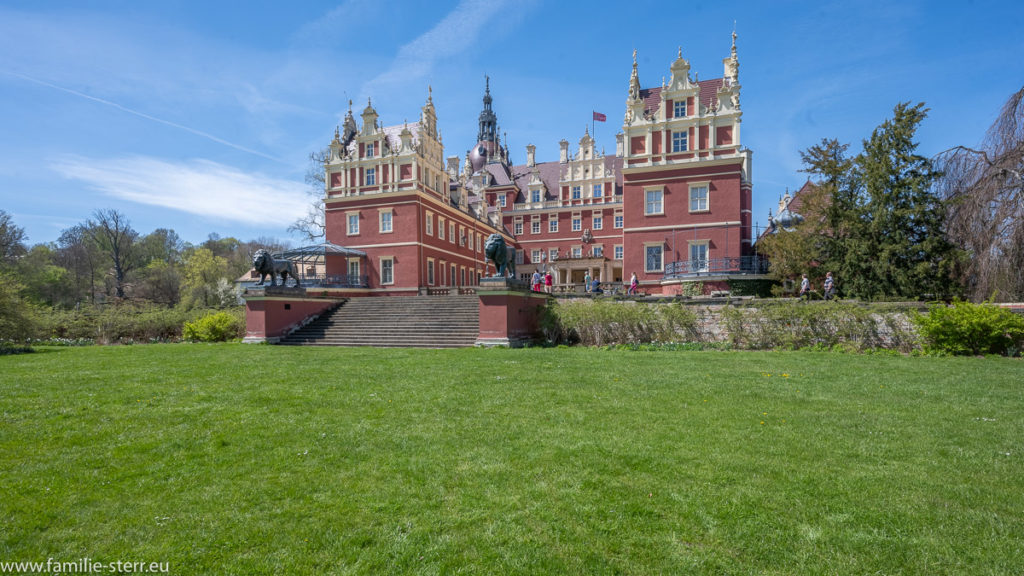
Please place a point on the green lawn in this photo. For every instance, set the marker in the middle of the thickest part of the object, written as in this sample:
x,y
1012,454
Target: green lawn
x,y
234,459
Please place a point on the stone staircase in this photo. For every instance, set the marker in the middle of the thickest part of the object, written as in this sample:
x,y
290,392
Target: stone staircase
x,y
397,322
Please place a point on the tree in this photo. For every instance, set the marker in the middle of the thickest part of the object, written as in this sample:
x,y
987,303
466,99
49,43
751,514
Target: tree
x,y
902,249
878,224
984,190
78,253
203,272
12,239
115,237
312,227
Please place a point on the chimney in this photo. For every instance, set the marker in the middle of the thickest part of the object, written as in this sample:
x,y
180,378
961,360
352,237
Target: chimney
x,y
563,151
620,149
453,167
531,155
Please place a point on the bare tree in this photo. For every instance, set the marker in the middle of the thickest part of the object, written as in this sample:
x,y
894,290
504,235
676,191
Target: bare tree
x,y
985,192
114,235
12,239
312,227
77,252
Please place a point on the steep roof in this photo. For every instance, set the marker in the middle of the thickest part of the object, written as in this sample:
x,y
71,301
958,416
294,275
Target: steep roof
x,y
708,94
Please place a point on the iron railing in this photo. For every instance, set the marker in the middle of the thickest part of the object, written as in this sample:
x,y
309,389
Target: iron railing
x,y
336,280
735,265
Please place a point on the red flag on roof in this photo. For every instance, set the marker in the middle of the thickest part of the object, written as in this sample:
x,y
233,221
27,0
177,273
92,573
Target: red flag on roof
x,y
600,117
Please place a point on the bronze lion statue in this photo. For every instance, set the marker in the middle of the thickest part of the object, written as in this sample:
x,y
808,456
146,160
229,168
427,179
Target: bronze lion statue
x,y
265,264
503,255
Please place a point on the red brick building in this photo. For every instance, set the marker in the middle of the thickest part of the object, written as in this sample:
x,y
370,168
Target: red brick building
x,y
672,205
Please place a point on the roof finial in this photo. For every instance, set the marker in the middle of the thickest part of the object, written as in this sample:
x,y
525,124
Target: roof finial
x,y
430,93
350,105
680,53
733,38
634,56
487,79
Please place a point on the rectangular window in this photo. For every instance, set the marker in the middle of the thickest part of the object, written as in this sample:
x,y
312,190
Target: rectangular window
x,y
387,271
617,252
386,221
430,224
679,141
353,272
598,251
454,277
430,272
577,252
369,150
451,232
598,222
535,196
576,192
553,254
535,256
501,201
653,258
679,109
618,221
440,228
371,176
699,257
598,190
518,229
654,202
577,224
553,225
535,227
353,224
698,198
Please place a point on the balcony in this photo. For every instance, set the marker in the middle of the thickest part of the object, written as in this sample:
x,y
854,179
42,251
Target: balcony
x,y
577,203
716,267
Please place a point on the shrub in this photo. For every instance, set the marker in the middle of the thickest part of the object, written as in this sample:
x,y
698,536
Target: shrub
x,y
602,322
217,327
966,328
796,325
121,323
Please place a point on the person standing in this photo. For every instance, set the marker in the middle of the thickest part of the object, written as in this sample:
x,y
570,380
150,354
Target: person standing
x,y
633,284
547,282
536,280
586,282
829,286
805,288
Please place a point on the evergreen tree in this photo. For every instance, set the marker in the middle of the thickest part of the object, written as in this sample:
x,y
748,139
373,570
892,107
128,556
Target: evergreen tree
x,y
901,247
878,223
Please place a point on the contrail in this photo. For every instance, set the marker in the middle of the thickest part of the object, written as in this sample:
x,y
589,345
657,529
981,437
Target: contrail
x,y
147,116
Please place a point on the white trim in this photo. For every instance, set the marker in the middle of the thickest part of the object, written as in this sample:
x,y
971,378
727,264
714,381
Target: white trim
x,y
681,227
381,270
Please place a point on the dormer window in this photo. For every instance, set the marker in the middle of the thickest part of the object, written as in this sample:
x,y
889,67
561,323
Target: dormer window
x,y
369,150
679,109
535,196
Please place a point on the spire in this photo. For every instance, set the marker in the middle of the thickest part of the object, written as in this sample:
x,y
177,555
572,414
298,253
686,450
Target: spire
x,y
634,81
488,120
732,63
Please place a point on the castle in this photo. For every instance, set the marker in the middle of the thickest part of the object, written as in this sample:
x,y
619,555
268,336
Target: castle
x,y
672,205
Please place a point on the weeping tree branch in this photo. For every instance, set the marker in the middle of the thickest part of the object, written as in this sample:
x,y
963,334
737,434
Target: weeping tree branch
x,y
984,191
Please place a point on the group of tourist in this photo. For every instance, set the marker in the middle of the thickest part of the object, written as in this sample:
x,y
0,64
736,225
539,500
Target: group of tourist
x,y
829,287
538,278
543,283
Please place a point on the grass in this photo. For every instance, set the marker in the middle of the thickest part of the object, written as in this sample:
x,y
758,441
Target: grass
x,y
233,459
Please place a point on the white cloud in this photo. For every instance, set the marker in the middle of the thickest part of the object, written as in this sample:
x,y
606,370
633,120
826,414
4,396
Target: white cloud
x,y
456,34
198,187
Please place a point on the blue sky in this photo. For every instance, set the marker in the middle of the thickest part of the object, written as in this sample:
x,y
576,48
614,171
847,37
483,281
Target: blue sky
x,y
185,115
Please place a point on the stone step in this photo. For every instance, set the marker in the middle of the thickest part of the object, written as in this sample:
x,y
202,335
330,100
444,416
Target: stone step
x,y
407,321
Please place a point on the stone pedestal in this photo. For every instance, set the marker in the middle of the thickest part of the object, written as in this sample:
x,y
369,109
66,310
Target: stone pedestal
x,y
509,312
275,311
